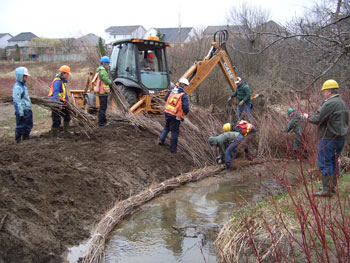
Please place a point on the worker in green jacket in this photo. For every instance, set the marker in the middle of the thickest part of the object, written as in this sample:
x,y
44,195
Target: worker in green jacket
x,y
332,120
102,84
244,100
296,124
227,143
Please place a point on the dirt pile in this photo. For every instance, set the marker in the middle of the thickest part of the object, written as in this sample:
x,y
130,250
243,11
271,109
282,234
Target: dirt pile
x,y
53,191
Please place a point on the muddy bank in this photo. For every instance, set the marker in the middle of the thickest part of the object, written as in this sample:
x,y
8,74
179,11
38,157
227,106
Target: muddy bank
x,y
52,192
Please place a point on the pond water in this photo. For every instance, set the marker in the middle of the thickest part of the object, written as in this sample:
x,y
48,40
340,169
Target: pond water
x,y
181,226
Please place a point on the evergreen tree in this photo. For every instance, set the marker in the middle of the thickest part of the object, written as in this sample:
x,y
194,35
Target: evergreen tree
x,y
160,35
17,56
3,54
101,48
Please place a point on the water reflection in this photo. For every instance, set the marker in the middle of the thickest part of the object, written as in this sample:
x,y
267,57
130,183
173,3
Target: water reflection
x,y
198,209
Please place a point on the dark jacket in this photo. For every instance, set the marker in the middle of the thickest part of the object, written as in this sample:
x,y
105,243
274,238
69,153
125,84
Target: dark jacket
x,y
296,124
184,100
332,119
243,93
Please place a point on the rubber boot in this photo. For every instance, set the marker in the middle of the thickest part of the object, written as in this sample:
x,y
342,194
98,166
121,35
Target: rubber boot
x,y
334,182
66,128
326,190
18,138
54,132
228,166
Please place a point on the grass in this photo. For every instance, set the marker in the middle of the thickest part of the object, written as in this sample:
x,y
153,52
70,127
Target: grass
x,y
41,120
290,227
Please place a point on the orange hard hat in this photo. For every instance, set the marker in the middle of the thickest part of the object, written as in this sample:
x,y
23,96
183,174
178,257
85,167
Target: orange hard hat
x,y
65,69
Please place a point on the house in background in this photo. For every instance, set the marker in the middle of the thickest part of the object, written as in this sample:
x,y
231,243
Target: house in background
x,y
173,35
4,39
211,30
115,33
21,44
87,42
269,26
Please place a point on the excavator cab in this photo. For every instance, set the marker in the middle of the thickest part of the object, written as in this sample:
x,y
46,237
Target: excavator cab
x,y
140,70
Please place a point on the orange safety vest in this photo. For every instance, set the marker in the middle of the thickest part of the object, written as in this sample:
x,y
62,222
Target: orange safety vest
x,y
245,126
174,105
62,95
100,86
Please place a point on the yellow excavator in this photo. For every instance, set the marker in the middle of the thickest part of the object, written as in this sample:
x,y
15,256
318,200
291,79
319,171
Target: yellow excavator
x,y
142,86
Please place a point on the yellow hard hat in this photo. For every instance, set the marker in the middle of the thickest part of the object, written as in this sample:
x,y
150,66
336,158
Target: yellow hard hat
x,y
226,127
330,84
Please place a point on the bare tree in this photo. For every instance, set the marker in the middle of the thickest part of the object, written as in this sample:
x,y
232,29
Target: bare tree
x,y
313,47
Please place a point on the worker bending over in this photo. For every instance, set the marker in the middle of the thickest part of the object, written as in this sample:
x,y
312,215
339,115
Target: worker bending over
x,y
227,143
296,124
244,128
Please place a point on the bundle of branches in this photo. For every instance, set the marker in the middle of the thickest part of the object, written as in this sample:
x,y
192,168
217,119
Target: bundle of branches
x,y
6,99
198,126
119,98
126,207
84,121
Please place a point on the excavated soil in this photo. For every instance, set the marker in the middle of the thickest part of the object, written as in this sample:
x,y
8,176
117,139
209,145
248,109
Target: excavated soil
x,y
54,191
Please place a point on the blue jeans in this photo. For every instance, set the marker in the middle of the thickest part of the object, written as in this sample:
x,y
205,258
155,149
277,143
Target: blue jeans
x,y
247,109
25,126
171,125
327,157
231,148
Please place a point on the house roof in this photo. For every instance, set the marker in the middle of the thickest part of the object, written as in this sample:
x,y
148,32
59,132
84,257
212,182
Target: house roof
x,y
271,26
89,39
174,34
268,26
25,36
4,34
122,30
210,30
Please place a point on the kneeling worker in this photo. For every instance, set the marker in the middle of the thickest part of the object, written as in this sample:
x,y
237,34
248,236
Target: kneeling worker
x,y
227,143
244,128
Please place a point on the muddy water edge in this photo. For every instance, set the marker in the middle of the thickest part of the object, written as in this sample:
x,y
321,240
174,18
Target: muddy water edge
x,y
181,226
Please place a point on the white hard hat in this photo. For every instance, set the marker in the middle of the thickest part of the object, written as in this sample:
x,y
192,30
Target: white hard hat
x,y
25,72
238,80
184,81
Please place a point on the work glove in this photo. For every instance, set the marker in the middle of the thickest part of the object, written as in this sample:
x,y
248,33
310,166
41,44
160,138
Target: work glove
x,y
21,118
229,99
219,160
241,103
305,115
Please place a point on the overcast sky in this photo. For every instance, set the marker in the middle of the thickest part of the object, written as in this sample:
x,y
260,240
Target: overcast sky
x,y
74,18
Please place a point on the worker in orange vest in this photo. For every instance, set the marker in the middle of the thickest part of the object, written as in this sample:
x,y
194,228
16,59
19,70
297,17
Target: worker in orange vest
x,y
58,92
245,128
175,109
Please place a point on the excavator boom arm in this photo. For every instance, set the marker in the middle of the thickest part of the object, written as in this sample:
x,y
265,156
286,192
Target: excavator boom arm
x,y
200,70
